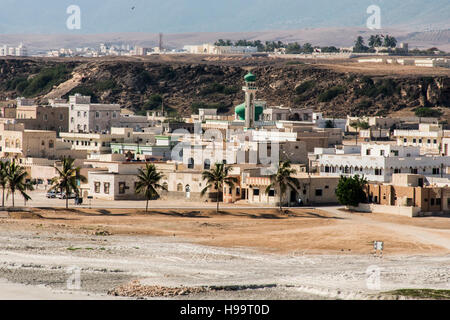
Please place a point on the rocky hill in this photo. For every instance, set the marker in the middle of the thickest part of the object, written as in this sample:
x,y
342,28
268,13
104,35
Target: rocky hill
x,y
185,85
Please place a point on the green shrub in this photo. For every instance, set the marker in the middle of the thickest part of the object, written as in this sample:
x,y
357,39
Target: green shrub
x,y
426,112
104,85
155,101
45,80
218,88
330,94
305,86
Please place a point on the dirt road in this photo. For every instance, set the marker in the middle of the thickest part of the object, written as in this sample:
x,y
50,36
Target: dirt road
x,y
309,254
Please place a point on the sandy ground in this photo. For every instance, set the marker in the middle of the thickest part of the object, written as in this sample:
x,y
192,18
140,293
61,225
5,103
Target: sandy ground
x,y
307,254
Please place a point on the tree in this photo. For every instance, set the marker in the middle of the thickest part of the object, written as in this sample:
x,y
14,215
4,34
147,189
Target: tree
x,y
350,190
329,124
148,183
307,48
375,41
357,125
359,45
16,181
67,179
390,42
3,179
216,178
283,179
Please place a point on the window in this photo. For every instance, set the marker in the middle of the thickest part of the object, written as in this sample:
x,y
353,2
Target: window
x,y
397,170
190,163
318,192
78,114
17,143
106,187
420,140
405,140
435,170
51,144
434,141
414,140
429,141
72,120
61,117
122,187
97,187
395,152
207,164
45,117
438,201
381,152
271,193
327,169
180,187
378,172
432,202
368,152
114,115
97,114
256,192
238,192
43,143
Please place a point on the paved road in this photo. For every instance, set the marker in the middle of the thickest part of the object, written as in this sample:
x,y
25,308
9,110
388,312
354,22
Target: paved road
x,y
39,200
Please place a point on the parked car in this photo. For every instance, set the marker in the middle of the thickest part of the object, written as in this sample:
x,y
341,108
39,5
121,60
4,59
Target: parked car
x,y
63,196
51,194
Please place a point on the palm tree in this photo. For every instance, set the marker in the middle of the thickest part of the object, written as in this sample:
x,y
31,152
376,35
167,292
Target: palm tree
x,y
148,183
3,179
15,181
283,179
215,178
67,179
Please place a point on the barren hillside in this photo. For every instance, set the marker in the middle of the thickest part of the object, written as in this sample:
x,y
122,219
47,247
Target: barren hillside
x,y
186,83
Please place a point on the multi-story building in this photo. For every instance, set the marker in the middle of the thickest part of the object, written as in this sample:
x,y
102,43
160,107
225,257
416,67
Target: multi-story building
x,y
87,117
377,162
100,143
428,137
36,117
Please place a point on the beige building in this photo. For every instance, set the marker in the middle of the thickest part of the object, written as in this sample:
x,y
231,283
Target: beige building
x,y
408,194
313,190
43,117
428,137
100,143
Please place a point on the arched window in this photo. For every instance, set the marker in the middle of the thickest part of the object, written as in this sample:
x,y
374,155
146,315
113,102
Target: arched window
x,y
179,187
51,144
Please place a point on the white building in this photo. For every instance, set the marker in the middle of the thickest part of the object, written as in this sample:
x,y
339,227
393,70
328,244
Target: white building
x,y
428,137
377,162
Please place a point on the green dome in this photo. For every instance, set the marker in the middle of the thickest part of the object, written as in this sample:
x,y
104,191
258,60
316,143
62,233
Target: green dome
x,y
240,111
250,77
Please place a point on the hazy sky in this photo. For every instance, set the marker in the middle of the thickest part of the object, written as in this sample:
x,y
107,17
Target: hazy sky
x,y
177,16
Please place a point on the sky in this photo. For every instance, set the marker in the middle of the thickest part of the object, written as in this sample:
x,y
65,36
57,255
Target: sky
x,y
180,16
